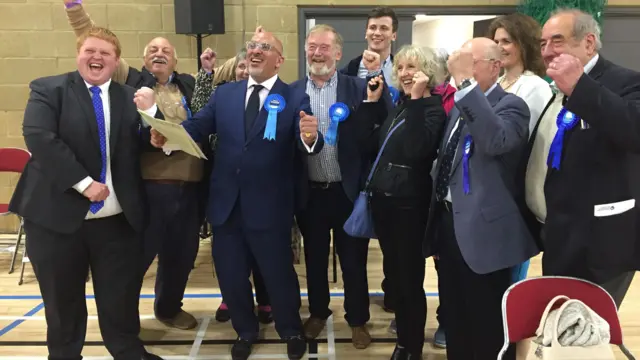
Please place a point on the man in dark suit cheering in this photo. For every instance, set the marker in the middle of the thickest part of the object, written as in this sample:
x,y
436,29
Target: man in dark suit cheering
x,y
80,196
260,123
583,166
475,226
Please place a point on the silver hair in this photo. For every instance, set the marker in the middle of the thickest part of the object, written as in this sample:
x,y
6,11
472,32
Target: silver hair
x,y
241,55
442,56
583,25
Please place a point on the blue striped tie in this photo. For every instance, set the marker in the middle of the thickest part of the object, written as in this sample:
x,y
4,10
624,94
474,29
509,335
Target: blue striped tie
x,y
102,135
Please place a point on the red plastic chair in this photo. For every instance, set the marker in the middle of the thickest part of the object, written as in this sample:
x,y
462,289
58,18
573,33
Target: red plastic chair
x,y
14,160
525,301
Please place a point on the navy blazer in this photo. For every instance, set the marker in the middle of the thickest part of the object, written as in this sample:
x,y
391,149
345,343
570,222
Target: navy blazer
x,y
258,173
354,163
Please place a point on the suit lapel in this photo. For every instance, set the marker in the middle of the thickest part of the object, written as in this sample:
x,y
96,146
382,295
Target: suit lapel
x,y
116,108
493,98
84,99
260,123
239,102
453,118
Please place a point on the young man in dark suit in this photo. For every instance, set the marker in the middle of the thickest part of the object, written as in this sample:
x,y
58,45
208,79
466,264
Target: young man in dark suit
x,y
475,227
81,198
251,206
582,192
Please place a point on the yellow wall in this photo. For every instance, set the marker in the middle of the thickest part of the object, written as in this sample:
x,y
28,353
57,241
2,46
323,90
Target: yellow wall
x,y
35,40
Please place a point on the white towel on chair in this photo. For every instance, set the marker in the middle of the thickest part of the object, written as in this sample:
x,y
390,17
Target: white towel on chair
x,y
578,326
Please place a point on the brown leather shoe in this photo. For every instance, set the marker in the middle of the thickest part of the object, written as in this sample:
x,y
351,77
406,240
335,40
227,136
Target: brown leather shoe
x,y
182,321
313,327
360,337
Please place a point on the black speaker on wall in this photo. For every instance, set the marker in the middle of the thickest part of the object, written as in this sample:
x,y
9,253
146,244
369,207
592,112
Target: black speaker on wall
x,y
199,16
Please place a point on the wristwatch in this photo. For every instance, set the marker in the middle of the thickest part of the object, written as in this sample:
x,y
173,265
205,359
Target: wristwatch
x,y
464,83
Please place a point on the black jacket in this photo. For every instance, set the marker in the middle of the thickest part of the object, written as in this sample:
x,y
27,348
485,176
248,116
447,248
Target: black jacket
x,y
406,161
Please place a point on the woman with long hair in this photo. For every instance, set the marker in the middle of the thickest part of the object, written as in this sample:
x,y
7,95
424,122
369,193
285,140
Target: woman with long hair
x,y
518,36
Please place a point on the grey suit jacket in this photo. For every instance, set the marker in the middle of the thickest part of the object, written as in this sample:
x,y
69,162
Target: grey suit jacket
x,y
489,228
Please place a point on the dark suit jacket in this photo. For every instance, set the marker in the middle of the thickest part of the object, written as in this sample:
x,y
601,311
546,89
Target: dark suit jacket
x,y
60,131
600,171
259,172
489,227
353,163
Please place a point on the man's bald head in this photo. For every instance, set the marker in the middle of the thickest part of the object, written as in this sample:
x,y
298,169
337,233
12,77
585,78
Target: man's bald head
x,y
264,56
269,38
486,61
483,48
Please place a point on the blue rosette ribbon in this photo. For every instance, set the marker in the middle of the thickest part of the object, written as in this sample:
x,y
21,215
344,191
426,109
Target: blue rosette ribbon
x,y
274,104
338,112
468,147
395,94
566,121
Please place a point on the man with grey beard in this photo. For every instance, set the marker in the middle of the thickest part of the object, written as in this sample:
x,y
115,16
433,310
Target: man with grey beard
x,y
329,183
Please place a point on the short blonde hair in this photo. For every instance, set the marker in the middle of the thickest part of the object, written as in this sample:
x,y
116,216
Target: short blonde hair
x,y
425,60
102,34
339,42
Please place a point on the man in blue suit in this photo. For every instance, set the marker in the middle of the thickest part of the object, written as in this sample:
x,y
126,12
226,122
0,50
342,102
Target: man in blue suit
x,y
475,225
329,185
251,205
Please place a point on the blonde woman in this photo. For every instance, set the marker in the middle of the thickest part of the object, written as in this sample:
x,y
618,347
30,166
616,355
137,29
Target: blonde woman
x,y
401,184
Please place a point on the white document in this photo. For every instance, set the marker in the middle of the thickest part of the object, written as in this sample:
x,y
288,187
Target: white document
x,y
177,136
613,208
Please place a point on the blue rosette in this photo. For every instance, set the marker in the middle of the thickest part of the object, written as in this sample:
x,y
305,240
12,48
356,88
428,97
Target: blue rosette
x,y
468,147
395,94
274,104
338,112
566,121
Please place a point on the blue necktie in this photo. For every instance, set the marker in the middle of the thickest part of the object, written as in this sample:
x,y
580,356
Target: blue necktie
x,y
102,136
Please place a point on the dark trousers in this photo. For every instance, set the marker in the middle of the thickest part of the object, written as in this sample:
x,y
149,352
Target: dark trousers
x,y
473,310
262,297
439,312
328,209
232,248
400,225
618,286
113,251
172,235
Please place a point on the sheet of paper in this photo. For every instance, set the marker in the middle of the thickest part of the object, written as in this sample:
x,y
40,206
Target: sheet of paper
x,y
176,135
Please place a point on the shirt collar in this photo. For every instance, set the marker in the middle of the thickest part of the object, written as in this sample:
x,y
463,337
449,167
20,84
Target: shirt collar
x,y
268,84
332,80
104,88
591,64
486,93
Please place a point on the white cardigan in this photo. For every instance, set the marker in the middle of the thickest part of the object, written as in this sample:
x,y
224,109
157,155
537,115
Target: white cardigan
x,y
535,91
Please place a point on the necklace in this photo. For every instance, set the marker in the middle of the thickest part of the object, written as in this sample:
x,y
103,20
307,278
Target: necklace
x,y
510,84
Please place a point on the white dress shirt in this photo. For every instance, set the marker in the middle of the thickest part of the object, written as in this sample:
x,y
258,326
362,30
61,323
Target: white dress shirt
x,y
267,85
111,204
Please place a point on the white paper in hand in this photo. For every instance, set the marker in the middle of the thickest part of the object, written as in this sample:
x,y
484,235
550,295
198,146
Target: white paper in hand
x,y
175,134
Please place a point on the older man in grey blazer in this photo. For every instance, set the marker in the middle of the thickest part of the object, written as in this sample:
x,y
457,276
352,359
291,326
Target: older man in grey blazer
x,y
475,227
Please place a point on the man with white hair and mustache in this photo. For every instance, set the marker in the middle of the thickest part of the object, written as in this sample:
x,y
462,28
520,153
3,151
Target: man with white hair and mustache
x,y
172,177
329,184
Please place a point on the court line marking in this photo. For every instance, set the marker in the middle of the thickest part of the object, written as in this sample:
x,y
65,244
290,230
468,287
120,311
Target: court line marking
x,y
195,296
21,319
331,339
202,330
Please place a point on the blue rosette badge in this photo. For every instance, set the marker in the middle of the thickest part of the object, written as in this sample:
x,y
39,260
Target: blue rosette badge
x,y
338,112
566,121
274,104
395,94
468,147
